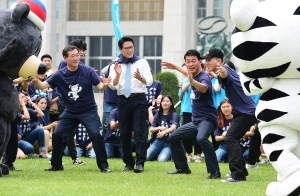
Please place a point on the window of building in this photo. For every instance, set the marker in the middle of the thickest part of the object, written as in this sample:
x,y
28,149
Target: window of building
x,y
100,10
100,46
57,9
218,8
201,10
100,50
153,52
10,2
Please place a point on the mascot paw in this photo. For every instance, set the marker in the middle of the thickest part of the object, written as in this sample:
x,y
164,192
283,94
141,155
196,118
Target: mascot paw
x,y
5,169
290,186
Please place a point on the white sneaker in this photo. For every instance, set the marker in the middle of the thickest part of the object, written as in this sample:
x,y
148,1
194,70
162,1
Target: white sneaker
x,y
263,161
194,157
254,167
198,159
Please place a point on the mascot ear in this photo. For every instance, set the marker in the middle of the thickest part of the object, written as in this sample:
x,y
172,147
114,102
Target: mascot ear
x,y
20,10
8,49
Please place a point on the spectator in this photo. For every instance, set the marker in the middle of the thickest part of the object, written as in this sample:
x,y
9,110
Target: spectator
x,y
152,111
112,137
41,102
34,92
154,90
225,118
83,143
28,133
164,123
109,101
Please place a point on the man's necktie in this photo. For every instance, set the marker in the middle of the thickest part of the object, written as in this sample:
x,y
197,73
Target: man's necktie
x,y
127,87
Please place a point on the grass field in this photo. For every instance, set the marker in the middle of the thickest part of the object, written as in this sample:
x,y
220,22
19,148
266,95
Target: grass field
x,y
87,180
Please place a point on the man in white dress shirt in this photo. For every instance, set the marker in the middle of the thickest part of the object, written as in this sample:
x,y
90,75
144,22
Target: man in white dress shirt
x,y
130,77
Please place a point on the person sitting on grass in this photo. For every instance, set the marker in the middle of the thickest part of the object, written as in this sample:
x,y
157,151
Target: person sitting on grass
x,y
41,102
164,123
83,143
28,133
112,137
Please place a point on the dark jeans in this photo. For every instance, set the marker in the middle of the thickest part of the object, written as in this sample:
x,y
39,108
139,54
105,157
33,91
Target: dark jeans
x,y
239,126
68,121
254,147
201,132
12,146
132,114
70,138
188,144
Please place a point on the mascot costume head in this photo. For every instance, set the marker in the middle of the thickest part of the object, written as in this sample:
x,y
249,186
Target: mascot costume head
x,y
265,43
20,44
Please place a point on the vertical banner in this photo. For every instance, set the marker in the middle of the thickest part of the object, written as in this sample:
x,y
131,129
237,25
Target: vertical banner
x,y
115,15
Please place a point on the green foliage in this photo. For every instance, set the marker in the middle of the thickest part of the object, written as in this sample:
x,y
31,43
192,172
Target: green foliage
x,y
169,84
87,180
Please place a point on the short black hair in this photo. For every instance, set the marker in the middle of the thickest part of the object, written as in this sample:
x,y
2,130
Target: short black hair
x,y
124,39
68,48
79,43
46,56
192,52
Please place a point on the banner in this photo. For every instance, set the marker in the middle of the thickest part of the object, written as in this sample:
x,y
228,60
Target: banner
x,y
115,15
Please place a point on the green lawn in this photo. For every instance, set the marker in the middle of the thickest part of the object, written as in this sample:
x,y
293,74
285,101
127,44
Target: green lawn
x,y
87,180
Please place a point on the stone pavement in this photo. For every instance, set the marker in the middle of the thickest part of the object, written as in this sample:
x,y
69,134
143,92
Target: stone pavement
x,y
99,102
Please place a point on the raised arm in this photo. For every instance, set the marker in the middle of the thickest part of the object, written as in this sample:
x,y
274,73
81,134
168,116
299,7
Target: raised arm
x,y
168,65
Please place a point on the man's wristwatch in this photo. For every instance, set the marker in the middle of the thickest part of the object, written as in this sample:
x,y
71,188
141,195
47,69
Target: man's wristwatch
x,y
141,78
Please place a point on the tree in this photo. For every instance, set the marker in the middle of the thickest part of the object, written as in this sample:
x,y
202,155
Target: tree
x,y
169,84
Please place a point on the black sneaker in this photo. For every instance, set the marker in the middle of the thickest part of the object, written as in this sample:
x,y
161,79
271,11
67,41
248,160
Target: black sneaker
x,y
54,168
105,170
78,162
214,175
180,171
4,169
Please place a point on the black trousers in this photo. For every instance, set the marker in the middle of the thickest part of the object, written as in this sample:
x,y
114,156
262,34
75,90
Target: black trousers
x,y
68,122
70,138
132,116
12,146
254,147
240,125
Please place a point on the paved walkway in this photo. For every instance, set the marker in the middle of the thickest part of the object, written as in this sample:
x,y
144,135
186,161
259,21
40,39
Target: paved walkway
x,y
99,102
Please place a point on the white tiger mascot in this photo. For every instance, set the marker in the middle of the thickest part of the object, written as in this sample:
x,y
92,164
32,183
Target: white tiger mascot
x,y
266,49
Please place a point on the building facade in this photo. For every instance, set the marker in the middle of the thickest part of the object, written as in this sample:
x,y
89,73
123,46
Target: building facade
x,y
161,29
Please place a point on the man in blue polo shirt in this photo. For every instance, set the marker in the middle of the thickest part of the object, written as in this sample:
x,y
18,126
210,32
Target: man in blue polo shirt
x,y
74,82
244,107
204,117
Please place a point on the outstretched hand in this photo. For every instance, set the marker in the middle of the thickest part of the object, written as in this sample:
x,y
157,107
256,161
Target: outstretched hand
x,y
167,65
105,80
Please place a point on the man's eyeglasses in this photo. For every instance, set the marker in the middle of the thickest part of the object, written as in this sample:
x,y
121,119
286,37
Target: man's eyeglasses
x,y
74,56
128,48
